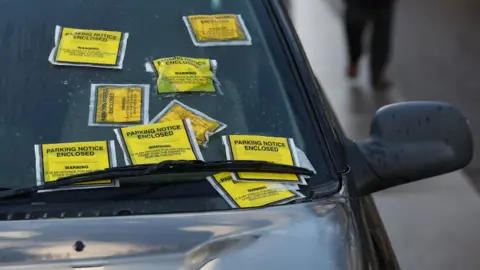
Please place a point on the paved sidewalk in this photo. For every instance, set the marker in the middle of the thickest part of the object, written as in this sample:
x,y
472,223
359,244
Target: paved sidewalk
x,y
441,38
432,223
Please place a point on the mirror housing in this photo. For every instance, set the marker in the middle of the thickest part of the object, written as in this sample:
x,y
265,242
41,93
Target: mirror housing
x,y
411,141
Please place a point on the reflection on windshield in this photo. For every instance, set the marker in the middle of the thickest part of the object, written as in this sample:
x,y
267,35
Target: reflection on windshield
x,y
207,61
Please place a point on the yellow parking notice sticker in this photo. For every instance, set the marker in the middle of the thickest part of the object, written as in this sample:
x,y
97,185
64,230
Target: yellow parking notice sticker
x,y
184,75
86,47
203,125
217,30
155,143
255,194
54,161
271,149
118,105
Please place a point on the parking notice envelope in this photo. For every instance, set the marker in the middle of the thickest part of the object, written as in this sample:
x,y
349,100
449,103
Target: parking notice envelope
x,y
184,75
203,125
154,143
54,161
86,47
271,149
217,30
118,105
254,194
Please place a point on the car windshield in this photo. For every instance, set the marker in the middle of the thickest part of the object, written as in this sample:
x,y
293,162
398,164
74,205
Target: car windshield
x,y
47,101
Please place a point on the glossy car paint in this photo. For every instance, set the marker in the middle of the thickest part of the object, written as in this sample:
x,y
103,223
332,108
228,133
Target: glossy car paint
x,y
316,235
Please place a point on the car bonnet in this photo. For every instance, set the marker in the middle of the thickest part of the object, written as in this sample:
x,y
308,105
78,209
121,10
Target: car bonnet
x,y
317,235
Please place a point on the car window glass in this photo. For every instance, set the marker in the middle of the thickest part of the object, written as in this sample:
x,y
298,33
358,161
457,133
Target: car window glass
x,y
41,103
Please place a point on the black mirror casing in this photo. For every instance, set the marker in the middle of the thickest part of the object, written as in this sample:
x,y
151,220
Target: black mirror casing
x,y
411,141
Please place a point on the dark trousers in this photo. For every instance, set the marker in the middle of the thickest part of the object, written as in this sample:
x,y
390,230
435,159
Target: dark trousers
x,y
356,19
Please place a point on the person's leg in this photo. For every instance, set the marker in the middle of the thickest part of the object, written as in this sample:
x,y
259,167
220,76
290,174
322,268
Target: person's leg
x,y
355,22
380,46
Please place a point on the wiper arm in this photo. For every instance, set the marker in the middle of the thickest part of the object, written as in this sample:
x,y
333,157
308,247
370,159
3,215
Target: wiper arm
x,y
165,167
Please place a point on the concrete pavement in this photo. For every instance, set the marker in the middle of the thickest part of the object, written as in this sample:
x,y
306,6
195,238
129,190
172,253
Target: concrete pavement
x,y
432,223
441,38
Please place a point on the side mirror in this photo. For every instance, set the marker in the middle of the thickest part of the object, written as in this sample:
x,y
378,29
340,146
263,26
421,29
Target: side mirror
x,y
411,141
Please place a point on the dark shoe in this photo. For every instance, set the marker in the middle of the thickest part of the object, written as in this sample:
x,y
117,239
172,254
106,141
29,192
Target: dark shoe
x,y
352,70
382,83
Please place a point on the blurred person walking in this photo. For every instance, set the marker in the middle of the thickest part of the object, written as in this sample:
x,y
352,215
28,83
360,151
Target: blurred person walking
x,y
379,13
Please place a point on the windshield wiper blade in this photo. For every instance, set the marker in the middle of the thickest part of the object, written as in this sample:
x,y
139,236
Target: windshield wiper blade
x,y
165,167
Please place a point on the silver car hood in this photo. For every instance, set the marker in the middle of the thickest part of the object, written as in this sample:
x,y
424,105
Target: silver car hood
x,y
318,235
